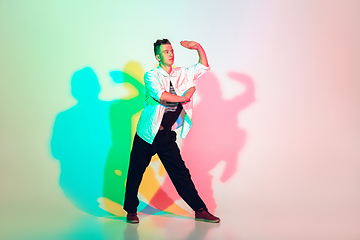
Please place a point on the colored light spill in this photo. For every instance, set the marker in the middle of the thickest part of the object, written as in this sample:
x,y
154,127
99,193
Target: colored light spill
x,y
93,139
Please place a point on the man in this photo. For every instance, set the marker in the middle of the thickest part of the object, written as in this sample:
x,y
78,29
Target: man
x,y
168,105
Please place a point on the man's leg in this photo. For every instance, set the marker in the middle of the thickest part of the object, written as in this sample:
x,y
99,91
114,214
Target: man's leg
x,y
169,154
140,158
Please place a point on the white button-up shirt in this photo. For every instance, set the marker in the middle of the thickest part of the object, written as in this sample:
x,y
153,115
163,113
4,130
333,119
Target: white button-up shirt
x,y
157,81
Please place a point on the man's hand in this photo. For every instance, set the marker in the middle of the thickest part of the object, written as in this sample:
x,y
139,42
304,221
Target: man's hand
x,y
190,45
196,46
189,93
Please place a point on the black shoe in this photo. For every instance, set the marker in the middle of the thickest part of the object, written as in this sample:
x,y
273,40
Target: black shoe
x,y
132,218
205,216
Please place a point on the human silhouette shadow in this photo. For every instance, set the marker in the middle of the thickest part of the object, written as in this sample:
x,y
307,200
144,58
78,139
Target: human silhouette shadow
x,y
215,135
93,139
81,140
124,115
123,126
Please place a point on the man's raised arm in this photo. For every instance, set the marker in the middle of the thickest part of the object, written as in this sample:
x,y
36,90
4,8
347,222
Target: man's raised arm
x,y
196,46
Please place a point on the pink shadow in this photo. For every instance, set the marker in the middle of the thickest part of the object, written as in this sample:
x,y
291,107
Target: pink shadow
x,y
215,135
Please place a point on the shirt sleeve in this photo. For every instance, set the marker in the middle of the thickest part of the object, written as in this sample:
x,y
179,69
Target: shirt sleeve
x,y
153,86
196,71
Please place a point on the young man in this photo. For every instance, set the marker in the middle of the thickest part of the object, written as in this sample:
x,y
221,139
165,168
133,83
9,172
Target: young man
x,y
168,105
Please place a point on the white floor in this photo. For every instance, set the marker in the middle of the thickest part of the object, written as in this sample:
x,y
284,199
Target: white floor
x,y
61,224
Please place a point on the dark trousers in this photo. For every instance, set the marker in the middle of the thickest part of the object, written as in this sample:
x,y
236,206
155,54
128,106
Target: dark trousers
x,y
165,146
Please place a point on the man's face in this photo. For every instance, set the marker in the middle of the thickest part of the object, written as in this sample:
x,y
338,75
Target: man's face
x,y
166,55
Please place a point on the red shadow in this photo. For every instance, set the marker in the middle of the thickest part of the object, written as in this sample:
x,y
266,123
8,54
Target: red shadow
x,y
215,135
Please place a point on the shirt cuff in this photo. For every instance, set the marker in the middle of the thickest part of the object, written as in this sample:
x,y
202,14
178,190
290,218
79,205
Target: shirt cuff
x,y
204,67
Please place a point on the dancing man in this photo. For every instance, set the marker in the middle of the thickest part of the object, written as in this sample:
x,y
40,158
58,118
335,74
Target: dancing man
x,y
168,105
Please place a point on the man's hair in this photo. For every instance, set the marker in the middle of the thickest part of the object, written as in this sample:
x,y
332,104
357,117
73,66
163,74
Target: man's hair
x,y
158,43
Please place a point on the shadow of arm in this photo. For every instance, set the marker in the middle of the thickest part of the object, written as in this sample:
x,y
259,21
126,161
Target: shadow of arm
x,y
248,97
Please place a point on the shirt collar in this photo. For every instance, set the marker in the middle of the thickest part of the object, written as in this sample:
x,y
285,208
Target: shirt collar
x,y
163,72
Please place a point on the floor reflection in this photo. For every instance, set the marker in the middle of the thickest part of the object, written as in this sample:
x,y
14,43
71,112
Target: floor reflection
x,y
253,225
150,227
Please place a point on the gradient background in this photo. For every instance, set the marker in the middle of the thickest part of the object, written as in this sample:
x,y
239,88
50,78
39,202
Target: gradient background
x,y
298,166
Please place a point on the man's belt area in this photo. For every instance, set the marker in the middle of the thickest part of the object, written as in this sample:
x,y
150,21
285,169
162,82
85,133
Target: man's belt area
x,y
164,128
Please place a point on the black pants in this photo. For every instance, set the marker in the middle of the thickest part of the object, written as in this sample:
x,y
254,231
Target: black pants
x,y
165,146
